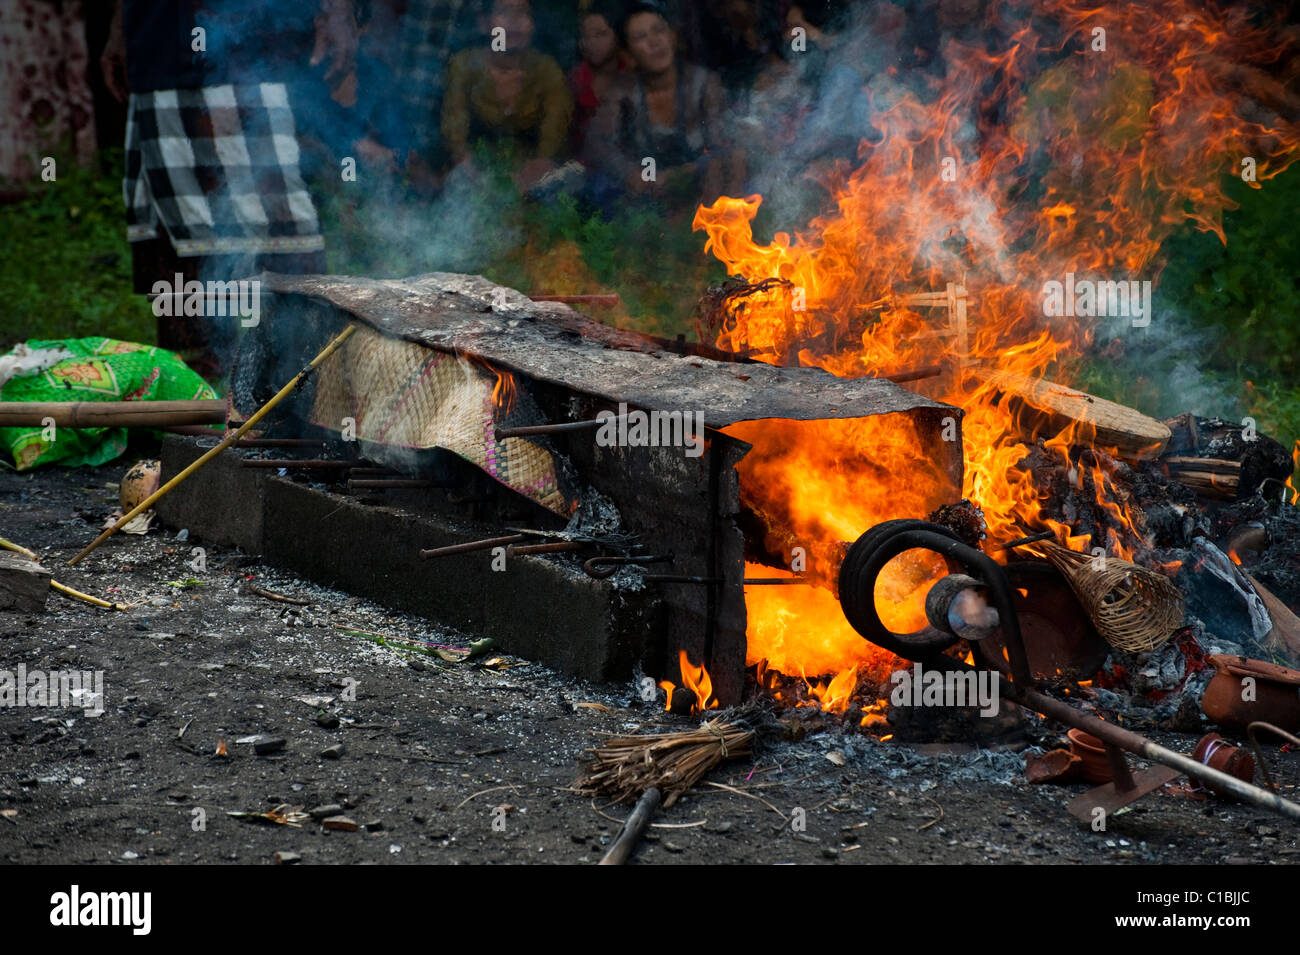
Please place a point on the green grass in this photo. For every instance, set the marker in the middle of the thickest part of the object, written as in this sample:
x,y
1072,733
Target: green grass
x,y
1238,313
65,266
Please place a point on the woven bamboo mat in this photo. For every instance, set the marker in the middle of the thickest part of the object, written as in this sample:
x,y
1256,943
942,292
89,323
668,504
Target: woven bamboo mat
x,y
403,394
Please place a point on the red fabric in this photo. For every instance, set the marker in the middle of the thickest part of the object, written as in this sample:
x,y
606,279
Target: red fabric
x,y
585,100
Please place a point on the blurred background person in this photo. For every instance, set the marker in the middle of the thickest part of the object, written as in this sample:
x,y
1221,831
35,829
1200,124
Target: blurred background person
x,y
46,106
602,61
213,183
507,98
666,111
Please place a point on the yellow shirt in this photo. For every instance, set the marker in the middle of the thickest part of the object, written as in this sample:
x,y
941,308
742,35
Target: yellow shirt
x,y
538,117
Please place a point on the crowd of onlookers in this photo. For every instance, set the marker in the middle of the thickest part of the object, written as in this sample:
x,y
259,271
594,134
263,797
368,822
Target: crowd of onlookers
x,y
668,100
238,117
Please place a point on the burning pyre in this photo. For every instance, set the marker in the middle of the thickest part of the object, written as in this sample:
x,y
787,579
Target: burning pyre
x,y
1072,146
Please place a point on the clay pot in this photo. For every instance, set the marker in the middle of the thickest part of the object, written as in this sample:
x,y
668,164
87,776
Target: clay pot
x,y
1276,694
1055,766
1217,753
1092,755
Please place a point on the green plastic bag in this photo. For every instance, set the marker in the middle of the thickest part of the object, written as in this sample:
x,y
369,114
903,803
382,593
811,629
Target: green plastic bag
x,y
99,369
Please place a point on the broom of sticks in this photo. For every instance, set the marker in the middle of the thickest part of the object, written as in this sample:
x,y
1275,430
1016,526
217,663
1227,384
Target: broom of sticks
x,y
656,767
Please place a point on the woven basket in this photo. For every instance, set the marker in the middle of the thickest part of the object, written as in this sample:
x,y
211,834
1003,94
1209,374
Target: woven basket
x,y
1133,608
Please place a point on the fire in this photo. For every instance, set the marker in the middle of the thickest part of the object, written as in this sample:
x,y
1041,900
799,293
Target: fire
x,y
503,392
1295,466
1101,155
696,679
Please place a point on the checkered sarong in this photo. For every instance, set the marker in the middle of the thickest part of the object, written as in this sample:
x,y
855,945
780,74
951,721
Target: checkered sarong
x,y
218,168
431,31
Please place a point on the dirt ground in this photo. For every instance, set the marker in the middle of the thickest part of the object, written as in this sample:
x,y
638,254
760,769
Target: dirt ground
x,y
453,763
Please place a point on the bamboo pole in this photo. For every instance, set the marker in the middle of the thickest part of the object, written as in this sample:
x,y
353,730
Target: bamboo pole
x,y
1141,746
111,414
55,585
230,439
637,823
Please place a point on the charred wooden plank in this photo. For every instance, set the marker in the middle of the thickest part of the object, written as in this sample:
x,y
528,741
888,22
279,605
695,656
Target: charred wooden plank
x,y
550,342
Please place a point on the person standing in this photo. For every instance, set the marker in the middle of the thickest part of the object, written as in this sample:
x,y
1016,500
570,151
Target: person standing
x,y
213,186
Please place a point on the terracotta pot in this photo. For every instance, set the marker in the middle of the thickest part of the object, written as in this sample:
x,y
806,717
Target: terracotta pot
x,y
1092,754
1055,766
1276,694
1214,751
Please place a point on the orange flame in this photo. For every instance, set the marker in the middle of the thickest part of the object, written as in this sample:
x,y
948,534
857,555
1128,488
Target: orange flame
x,y
1102,156
697,680
503,392
1295,466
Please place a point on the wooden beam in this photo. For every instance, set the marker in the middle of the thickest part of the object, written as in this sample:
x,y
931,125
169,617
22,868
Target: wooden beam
x,y
111,414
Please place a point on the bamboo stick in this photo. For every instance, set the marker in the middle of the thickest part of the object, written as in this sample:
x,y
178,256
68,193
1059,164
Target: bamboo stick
x,y
637,823
78,595
111,414
55,585
230,439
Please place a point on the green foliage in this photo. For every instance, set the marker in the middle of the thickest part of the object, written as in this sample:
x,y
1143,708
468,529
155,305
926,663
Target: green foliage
x,y
65,265
1247,291
1240,305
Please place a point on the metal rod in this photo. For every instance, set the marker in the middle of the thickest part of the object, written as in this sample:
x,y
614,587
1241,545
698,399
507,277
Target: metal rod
x,y
315,463
557,547
605,301
191,430
279,443
529,429
1251,730
366,484
680,579
747,581
915,374
257,416
451,550
1141,746
1031,539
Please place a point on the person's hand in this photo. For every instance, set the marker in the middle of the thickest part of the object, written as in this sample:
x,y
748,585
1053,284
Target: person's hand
x,y
336,39
112,61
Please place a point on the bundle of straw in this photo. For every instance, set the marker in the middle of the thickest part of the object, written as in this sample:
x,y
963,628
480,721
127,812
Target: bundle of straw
x,y
624,767
1134,609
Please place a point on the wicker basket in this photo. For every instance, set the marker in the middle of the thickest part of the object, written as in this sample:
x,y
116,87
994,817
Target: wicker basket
x,y
1133,608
